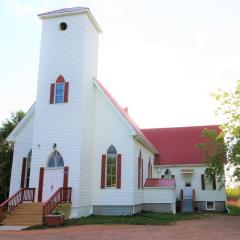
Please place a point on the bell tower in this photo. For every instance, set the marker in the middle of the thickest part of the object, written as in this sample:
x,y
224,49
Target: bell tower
x,y
64,103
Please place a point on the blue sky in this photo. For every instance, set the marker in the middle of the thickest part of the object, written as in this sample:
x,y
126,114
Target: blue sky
x,y
162,59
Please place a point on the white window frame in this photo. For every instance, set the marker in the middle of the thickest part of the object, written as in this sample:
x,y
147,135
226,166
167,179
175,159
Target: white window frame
x,y
210,209
55,92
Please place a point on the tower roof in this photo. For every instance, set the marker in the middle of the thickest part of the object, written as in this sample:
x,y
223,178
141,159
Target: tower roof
x,y
70,11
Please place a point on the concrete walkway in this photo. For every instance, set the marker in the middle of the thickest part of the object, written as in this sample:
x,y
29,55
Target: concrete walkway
x,y
11,228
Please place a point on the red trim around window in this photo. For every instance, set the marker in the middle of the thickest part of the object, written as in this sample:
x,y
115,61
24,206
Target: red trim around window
x,y
65,177
119,170
40,185
23,175
60,79
203,181
52,93
66,88
103,171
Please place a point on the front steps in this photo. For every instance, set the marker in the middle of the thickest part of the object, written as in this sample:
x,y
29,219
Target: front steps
x,y
187,206
25,214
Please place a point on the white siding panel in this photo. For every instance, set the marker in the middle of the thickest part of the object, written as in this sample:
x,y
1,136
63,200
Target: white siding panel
x,y
201,195
72,53
22,146
146,155
110,129
158,195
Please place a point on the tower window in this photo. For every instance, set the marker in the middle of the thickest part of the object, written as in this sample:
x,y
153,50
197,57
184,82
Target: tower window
x,y
59,93
62,26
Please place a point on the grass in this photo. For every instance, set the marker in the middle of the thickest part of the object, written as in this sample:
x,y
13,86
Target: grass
x,y
145,218
234,210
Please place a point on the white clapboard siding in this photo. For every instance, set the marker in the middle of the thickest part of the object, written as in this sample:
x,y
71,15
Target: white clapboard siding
x,y
201,195
146,155
23,144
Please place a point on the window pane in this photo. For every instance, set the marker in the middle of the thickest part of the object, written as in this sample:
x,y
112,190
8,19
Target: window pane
x,y
51,162
111,150
111,170
60,162
59,93
59,89
59,99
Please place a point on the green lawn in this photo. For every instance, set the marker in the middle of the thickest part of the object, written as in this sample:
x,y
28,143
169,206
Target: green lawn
x,y
145,218
234,210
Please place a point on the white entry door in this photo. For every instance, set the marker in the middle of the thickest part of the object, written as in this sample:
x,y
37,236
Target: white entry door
x,y
53,180
187,193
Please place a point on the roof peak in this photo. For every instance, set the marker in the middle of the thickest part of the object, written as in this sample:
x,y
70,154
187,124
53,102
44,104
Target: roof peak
x,y
70,11
64,11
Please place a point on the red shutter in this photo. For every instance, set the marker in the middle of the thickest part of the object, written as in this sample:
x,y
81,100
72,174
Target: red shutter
x,y
156,159
151,170
149,173
65,183
66,89
40,185
65,177
214,182
142,174
119,170
203,182
23,175
103,171
52,90
139,173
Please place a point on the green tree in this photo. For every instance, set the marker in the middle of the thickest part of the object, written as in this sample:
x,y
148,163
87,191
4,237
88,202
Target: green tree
x,y
229,109
6,152
215,154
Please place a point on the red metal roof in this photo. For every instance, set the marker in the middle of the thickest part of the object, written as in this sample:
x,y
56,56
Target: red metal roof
x,y
178,145
160,182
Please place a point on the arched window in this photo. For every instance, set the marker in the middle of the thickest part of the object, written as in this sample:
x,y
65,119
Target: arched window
x,y
59,91
55,160
167,174
28,169
111,167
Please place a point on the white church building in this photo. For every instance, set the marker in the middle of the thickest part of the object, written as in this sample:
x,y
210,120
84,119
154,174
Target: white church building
x,y
77,136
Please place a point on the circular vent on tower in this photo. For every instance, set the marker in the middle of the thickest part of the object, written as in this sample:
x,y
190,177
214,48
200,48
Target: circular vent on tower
x,y
62,26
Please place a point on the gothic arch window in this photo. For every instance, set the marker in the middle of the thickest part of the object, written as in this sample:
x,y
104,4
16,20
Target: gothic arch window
x,y
55,160
111,168
111,180
28,169
59,91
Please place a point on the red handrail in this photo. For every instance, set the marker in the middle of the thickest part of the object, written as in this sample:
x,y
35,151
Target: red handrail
x,y
24,194
63,194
